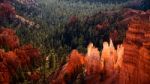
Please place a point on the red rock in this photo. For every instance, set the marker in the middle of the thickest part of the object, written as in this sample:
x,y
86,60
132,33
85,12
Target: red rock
x,y
8,39
135,68
93,65
129,64
75,62
114,35
34,76
22,58
4,71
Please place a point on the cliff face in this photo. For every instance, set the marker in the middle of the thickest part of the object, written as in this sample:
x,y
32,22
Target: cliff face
x,y
136,60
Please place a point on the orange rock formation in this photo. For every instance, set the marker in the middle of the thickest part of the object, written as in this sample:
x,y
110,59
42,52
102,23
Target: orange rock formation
x,y
92,64
135,68
24,58
129,64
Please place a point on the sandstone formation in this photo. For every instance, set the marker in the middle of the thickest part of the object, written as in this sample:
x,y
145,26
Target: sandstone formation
x,y
92,67
16,59
128,64
136,60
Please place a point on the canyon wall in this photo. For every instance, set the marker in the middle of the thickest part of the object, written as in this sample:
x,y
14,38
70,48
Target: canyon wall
x,y
136,60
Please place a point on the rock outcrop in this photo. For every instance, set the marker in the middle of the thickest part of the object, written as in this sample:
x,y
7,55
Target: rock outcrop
x,y
136,60
69,72
128,64
92,67
16,59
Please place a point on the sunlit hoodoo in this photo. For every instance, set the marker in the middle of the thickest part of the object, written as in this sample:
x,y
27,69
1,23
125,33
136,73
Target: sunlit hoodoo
x,y
97,66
